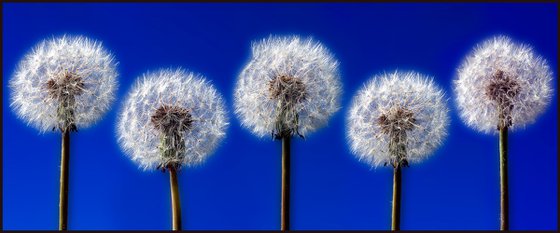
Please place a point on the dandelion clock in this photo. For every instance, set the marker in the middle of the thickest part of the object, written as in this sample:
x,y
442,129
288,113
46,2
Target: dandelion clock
x,y
502,86
171,119
397,119
64,84
291,86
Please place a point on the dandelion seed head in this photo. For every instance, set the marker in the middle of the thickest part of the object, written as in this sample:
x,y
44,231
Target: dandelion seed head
x,y
64,82
290,86
397,118
171,118
502,84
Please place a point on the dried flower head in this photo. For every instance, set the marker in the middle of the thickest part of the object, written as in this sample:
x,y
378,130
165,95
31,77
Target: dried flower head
x,y
171,118
502,84
65,83
290,86
397,118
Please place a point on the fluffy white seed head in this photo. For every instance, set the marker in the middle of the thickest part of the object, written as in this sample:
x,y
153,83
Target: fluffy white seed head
x,y
290,86
171,117
397,118
64,82
502,83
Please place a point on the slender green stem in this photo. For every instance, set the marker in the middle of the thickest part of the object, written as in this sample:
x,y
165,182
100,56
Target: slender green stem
x,y
175,202
504,194
63,198
396,210
285,203
397,148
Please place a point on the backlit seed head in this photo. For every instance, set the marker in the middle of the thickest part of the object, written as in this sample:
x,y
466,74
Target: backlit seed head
x,y
397,118
502,84
171,118
290,87
64,83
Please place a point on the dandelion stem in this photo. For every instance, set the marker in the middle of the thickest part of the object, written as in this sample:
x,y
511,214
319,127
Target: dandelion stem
x,y
64,160
285,209
175,203
504,194
396,210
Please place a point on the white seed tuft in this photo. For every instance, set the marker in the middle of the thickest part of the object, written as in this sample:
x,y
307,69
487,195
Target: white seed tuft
x,y
290,86
64,82
171,117
502,83
405,108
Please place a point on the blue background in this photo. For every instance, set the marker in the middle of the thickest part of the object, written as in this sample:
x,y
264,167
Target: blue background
x,y
239,186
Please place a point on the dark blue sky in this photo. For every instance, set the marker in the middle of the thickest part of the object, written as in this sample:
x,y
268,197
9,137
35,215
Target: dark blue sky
x,y
239,186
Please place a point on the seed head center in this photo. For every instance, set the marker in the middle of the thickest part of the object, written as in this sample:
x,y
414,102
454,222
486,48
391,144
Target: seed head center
x,y
395,123
502,88
168,118
396,119
288,91
65,85
287,88
172,122
64,88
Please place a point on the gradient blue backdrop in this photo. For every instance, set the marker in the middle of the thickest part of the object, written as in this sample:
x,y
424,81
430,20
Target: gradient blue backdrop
x,y
239,186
